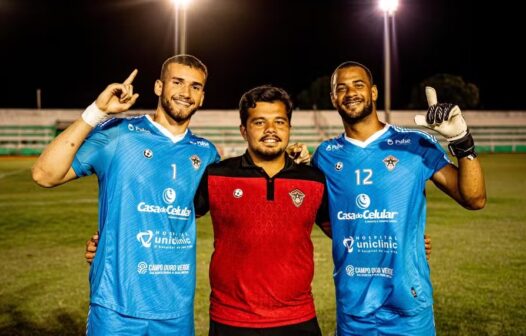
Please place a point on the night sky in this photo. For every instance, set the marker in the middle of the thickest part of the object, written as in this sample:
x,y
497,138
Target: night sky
x,y
72,49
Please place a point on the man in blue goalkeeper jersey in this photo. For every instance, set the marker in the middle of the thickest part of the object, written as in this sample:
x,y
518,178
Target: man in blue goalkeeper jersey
x,y
376,177
148,168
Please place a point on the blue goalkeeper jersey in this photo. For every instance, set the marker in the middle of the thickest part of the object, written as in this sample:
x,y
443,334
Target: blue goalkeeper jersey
x,y
378,215
145,262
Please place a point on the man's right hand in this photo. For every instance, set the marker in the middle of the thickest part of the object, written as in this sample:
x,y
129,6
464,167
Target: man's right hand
x,y
91,248
118,97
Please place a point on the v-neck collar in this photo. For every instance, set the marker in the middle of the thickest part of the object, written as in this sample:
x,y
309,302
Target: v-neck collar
x,y
375,136
165,132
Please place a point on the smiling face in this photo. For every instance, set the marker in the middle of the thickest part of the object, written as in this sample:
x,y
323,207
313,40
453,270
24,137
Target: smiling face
x,y
353,94
180,91
267,130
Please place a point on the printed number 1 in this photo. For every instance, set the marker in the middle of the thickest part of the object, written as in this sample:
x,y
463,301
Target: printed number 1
x,y
174,171
363,177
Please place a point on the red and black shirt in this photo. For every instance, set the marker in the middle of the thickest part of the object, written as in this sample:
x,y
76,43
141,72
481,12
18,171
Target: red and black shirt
x,y
262,266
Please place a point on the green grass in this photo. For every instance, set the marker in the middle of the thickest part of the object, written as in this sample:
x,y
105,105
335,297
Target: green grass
x,y
478,261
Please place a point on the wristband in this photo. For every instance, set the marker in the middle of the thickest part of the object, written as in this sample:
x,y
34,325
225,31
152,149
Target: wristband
x,y
93,115
463,147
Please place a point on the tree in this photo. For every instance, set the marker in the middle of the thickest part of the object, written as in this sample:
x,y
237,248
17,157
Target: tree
x,y
316,96
450,89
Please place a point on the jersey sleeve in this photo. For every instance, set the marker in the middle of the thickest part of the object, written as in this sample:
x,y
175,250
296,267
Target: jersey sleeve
x,y
322,216
90,156
433,155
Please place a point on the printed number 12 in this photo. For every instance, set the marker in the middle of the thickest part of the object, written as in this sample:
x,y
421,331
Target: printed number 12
x,y
363,177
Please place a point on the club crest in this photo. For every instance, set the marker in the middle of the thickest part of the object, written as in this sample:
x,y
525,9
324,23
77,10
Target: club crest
x,y
196,161
297,197
391,162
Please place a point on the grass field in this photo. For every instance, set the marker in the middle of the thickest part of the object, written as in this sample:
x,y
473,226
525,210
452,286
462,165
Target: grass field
x,y
478,262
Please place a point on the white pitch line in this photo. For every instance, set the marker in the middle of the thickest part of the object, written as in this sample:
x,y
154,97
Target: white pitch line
x,y
14,172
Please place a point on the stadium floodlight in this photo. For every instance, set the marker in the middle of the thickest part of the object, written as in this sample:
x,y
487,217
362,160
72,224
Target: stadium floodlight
x,y
388,7
180,9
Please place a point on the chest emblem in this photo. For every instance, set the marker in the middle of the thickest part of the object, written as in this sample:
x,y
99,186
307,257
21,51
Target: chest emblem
x,y
391,162
148,153
196,161
238,193
338,166
297,197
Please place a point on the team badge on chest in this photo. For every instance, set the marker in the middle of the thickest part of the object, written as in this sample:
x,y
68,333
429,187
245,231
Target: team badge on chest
x,y
390,162
297,197
196,161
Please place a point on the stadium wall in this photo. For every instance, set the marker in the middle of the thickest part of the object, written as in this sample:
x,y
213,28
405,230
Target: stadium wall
x,y
27,131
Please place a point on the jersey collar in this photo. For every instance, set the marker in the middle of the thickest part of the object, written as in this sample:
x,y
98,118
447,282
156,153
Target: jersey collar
x,y
165,132
369,140
246,162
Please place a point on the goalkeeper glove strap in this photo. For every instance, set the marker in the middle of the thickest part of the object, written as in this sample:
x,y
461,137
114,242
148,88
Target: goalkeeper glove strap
x,y
463,147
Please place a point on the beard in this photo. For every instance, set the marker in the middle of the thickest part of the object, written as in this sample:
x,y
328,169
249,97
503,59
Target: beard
x,y
352,119
178,115
269,155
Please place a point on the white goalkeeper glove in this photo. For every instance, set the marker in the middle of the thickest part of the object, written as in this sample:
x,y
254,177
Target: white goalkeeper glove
x,y
447,120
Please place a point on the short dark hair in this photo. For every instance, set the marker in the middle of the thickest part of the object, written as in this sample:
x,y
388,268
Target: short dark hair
x,y
349,64
264,93
188,60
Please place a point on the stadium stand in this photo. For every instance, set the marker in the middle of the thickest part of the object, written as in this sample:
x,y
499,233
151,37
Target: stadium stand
x,y
27,132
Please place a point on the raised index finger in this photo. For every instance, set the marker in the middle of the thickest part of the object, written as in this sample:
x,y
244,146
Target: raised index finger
x,y
431,96
131,77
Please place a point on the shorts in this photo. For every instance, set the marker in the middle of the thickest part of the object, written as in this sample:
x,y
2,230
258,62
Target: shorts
x,y
307,328
387,323
103,321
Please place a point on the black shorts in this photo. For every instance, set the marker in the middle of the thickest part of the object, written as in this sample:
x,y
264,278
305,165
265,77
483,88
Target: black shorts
x,y
307,328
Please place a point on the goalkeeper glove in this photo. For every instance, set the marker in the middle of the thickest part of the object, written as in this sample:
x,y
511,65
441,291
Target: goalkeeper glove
x,y
447,120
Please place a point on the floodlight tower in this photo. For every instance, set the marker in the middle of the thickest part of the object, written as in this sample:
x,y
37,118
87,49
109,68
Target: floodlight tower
x,y
388,7
180,9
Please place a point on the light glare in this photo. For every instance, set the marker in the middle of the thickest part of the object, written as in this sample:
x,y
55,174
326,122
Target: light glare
x,y
388,6
181,3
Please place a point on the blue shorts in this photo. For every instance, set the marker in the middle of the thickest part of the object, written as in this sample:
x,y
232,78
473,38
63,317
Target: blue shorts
x,y
103,321
387,323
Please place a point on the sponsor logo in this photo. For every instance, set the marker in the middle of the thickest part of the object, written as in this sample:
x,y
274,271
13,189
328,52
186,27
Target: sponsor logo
x,y
348,243
333,147
148,153
369,215
297,197
200,143
384,272
156,269
164,240
170,210
168,195
338,166
142,267
196,161
371,244
390,162
399,142
145,238
363,201
132,128
238,193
